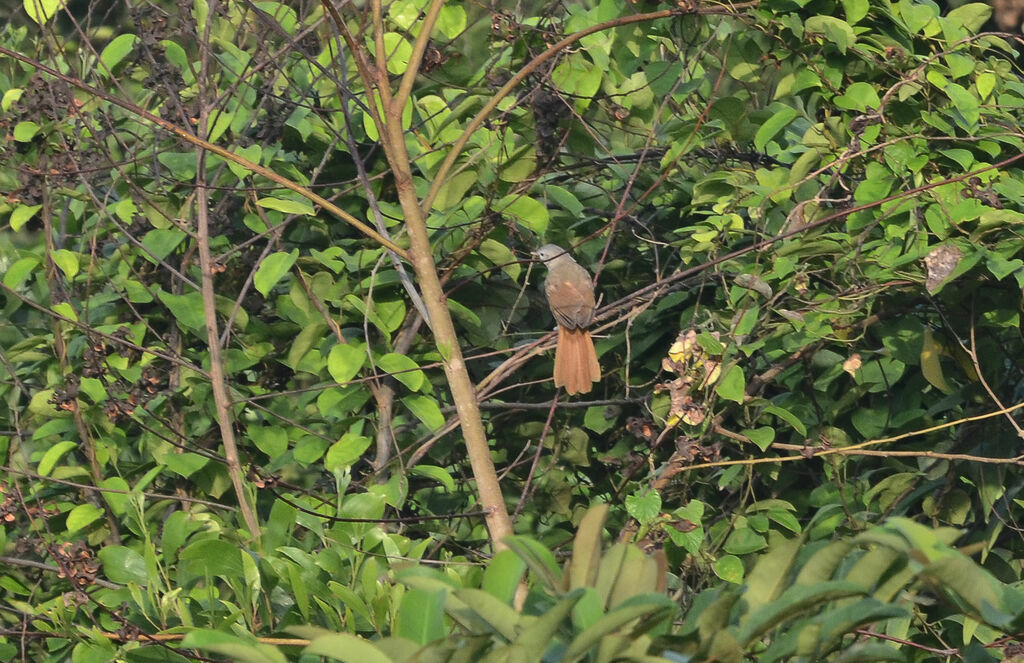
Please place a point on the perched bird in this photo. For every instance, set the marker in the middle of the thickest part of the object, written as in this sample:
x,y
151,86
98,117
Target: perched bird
x,y
570,293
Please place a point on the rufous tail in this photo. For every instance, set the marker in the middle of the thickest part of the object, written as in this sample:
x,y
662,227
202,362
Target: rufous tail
x,y
576,366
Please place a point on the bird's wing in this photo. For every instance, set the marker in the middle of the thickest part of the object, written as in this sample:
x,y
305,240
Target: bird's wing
x,y
571,296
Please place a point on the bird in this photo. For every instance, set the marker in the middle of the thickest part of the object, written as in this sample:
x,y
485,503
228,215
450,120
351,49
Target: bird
x,y
570,293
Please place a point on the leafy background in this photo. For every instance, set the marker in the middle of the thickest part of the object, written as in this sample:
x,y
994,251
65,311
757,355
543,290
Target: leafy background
x,y
228,420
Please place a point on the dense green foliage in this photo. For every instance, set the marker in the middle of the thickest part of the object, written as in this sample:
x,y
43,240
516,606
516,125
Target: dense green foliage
x,y
804,219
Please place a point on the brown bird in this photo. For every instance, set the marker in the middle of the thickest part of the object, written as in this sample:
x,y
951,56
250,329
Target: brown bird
x,y
571,298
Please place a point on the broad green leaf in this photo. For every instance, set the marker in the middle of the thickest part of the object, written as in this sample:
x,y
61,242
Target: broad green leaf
x,y
397,50
235,648
17,273
645,506
403,369
971,16
82,516
454,190
346,452
347,648
732,385
645,605
21,215
776,123
788,417
186,464
525,211
67,261
42,11
287,206
501,256
729,568
420,616
272,269
965,102
187,310
161,242
762,437
834,29
503,574
214,557
452,20
438,474
123,565
53,455
25,131
271,440
345,361
791,603
116,50
426,410
855,10
770,575
538,558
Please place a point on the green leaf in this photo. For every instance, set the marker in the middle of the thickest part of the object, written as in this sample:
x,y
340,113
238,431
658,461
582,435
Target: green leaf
x,y
525,211
181,164
347,648
732,385
287,206
500,255
776,123
454,190
834,29
235,648
25,131
82,516
272,269
438,474
788,417
397,50
251,153
17,273
403,369
42,11
161,242
971,16
965,102
452,20
426,410
744,541
578,77
10,97
538,558
344,361
54,454
420,616
187,310
645,605
21,215
762,437
123,565
271,440
855,10
116,50
986,82
729,568
186,463
503,574
792,603
67,261
346,452
214,557
644,507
